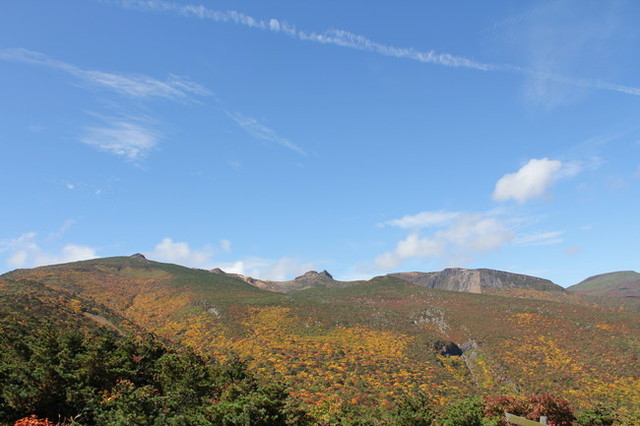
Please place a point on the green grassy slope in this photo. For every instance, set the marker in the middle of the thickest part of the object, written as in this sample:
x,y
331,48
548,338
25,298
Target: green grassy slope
x,y
619,284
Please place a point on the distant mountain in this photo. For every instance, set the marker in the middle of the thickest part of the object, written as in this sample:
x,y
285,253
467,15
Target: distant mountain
x,y
453,279
476,280
616,284
311,279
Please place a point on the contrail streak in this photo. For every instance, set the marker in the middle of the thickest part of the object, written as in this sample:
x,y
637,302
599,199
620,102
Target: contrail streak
x,y
350,40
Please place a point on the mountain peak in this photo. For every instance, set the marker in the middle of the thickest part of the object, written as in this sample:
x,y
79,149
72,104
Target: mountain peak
x,y
313,275
326,274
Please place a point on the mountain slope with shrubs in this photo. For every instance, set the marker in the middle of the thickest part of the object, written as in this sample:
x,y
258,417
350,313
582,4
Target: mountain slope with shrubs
x,y
376,350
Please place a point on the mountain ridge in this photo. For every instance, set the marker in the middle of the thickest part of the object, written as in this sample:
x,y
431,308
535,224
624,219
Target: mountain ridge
x,y
309,279
453,279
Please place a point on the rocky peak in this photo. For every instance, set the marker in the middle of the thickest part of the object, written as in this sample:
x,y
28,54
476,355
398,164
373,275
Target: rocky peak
x,y
314,275
138,256
326,274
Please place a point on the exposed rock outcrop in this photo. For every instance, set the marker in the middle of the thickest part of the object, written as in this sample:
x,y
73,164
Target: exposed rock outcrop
x,y
475,280
445,348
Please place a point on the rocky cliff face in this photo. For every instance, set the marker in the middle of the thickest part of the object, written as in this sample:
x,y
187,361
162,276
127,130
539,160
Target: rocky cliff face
x,y
475,280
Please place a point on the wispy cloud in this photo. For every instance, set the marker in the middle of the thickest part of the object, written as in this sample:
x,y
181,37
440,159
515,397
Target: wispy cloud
x,y
260,131
539,239
54,236
130,85
131,138
349,40
562,43
423,219
134,138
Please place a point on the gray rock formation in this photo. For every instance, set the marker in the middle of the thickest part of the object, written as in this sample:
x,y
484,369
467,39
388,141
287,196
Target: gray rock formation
x,y
475,280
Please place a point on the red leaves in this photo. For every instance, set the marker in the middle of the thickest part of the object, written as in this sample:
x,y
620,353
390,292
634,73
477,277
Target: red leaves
x,y
556,409
33,420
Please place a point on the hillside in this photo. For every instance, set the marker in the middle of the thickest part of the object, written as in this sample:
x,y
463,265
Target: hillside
x,y
613,284
369,344
65,359
476,280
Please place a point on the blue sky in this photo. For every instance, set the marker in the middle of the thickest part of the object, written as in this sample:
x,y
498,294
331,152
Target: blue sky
x,y
361,137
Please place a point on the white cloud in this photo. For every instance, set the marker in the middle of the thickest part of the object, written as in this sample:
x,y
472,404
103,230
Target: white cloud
x,y
282,269
414,246
130,138
237,267
411,247
468,236
424,219
25,251
20,249
74,252
286,268
531,181
260,131
538,82
179,252
135,86
477,234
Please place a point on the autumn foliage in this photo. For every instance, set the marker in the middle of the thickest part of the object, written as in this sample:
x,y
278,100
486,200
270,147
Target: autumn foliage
x,y
557,410
342,354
